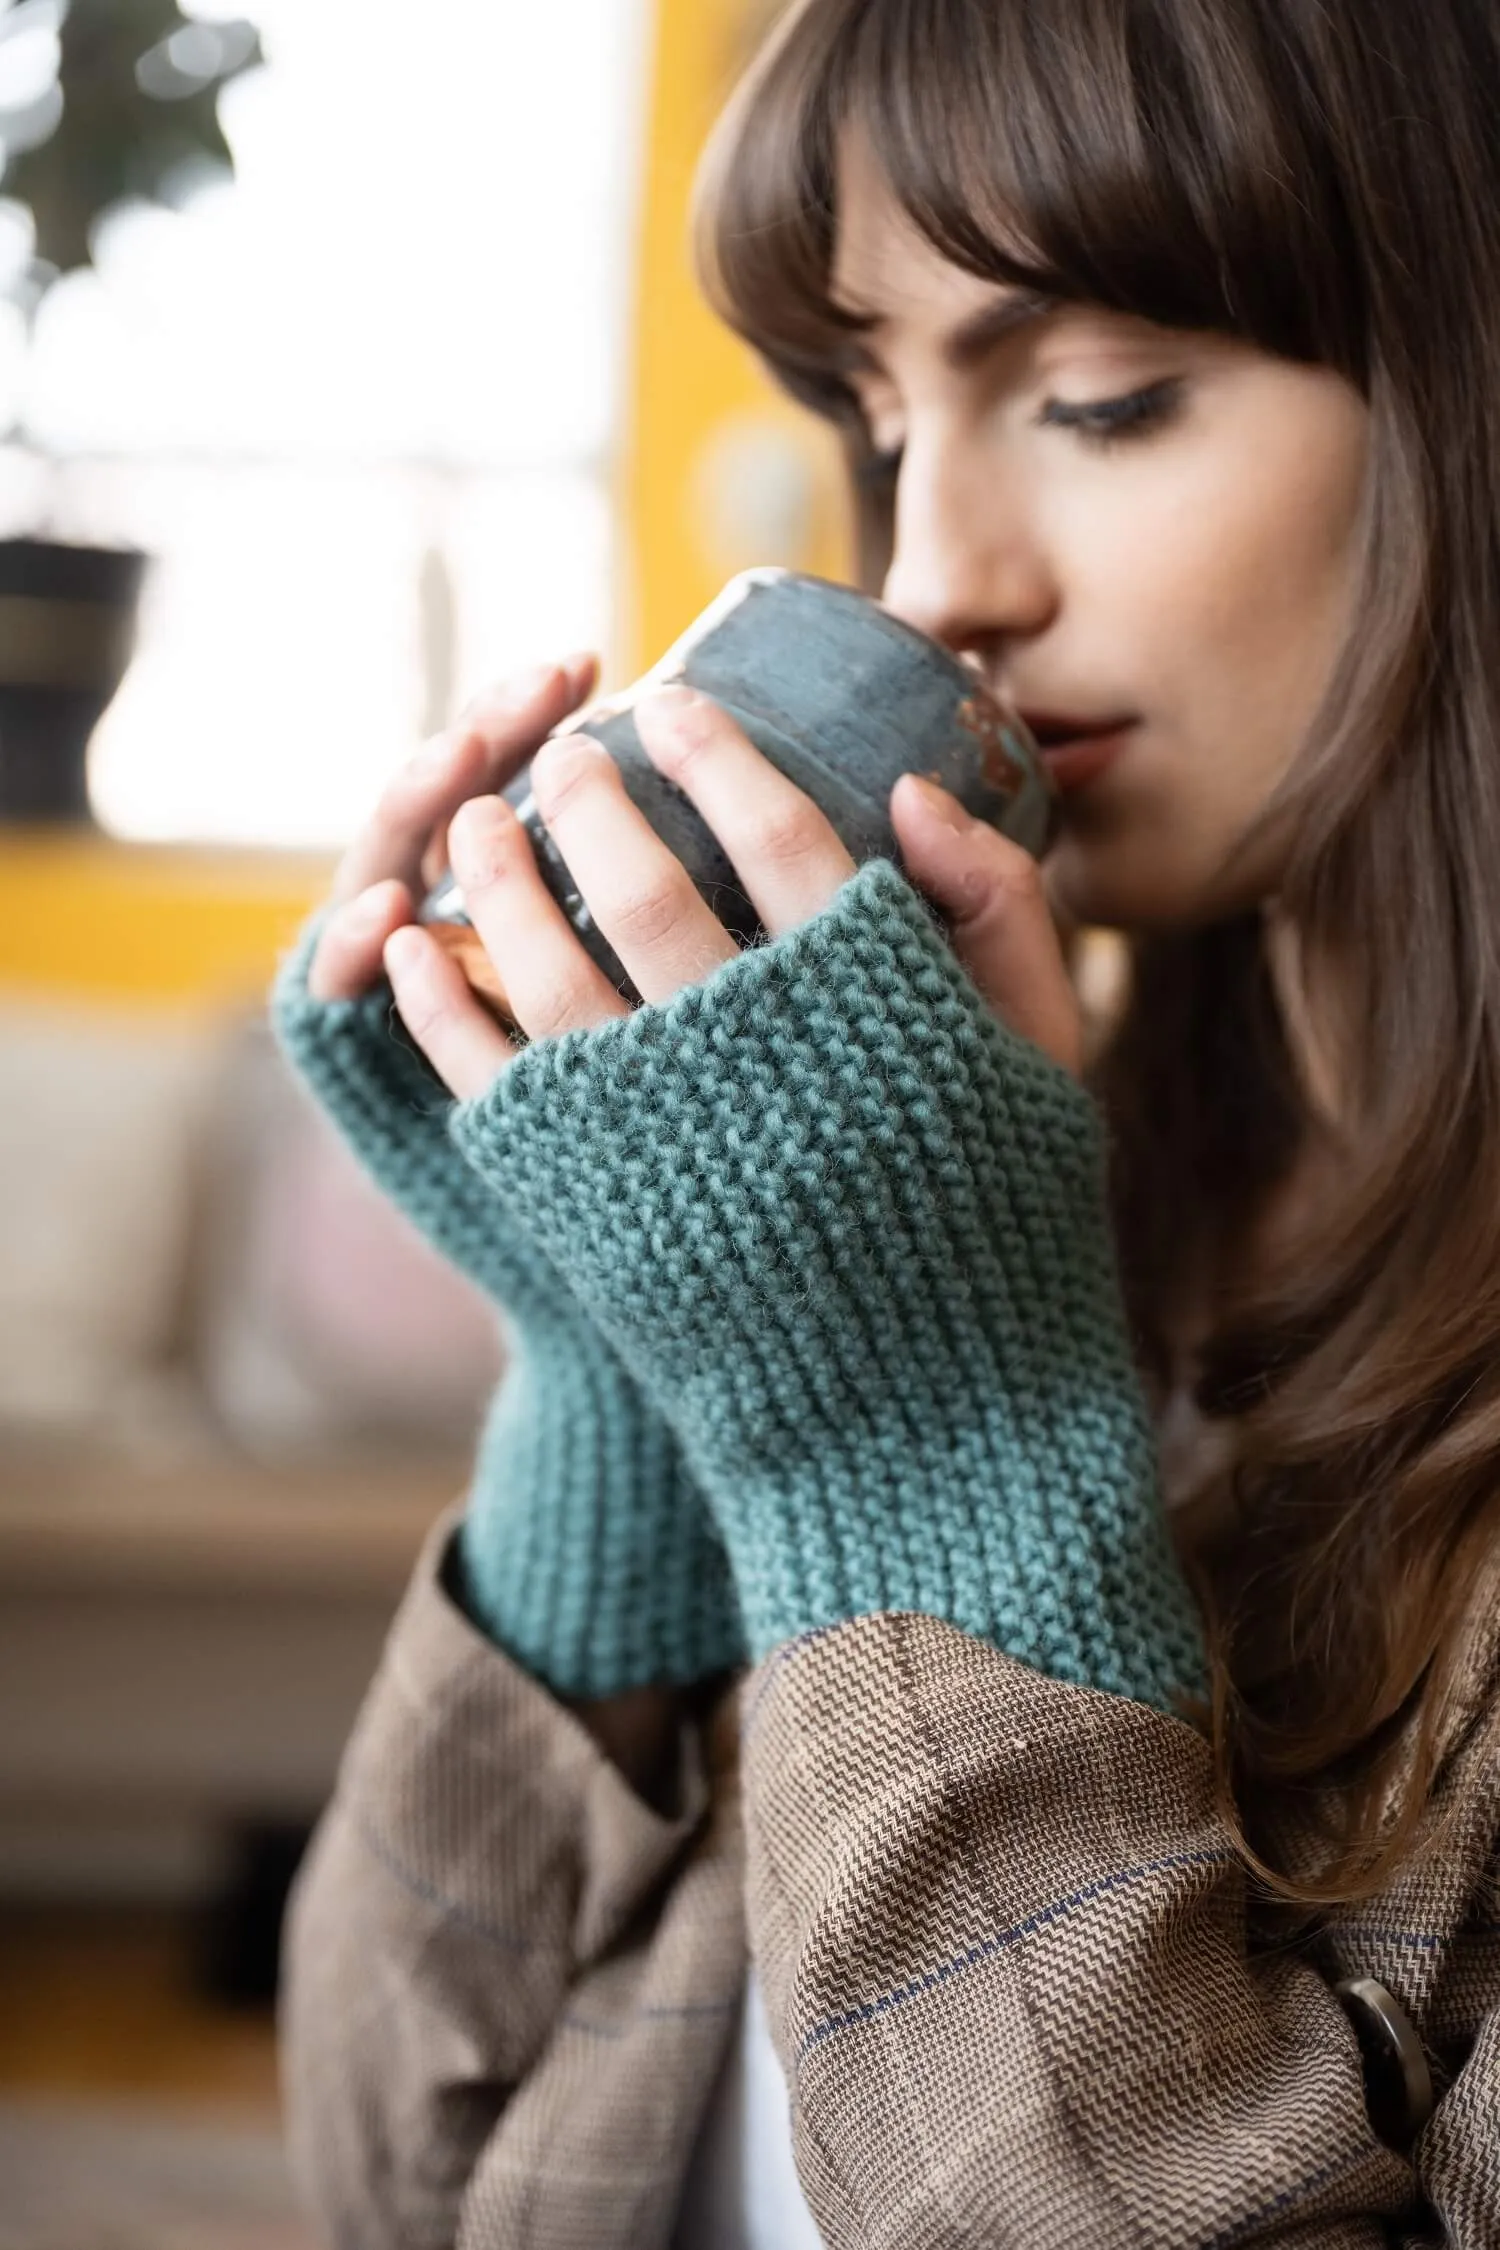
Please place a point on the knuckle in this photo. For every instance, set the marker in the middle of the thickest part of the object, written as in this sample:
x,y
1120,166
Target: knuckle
x,y
649,915
483,703
1016,879
430,755
504,701
560,771
410,784
426,1010
393,803
554,1003
684,751
785,835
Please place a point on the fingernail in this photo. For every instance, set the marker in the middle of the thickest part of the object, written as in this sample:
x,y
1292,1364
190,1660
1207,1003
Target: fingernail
x,y
674,702
508,697
683,715
405,949
562,761
557,746
527,686
473,850
582,670
940,807
482,813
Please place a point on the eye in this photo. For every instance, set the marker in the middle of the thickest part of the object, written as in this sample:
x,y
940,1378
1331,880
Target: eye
x,y
1101,421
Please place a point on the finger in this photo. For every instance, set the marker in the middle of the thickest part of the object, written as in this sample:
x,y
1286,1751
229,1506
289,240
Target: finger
x,y
785,850
637,890
483,749
499,697
551,985
347,958
492,716
461,1040
1002,930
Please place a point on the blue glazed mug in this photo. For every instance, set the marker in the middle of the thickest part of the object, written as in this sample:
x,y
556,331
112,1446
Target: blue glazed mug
x,y
836,692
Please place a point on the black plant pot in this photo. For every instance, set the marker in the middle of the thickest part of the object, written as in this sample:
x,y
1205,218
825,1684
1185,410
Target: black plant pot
x,y
67,633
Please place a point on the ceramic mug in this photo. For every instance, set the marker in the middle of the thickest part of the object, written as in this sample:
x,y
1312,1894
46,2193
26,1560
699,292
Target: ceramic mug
x,y
836,692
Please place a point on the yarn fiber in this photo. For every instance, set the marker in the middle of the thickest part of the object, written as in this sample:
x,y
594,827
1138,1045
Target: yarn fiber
x,y
849,1232
586,1550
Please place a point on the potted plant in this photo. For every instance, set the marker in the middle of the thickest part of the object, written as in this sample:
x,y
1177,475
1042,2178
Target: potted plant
x,y
110,101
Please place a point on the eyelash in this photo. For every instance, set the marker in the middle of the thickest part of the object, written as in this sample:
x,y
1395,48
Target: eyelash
x,y
1101,422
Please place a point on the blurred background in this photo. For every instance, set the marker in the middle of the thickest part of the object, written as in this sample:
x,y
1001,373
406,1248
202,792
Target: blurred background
x,y
349,358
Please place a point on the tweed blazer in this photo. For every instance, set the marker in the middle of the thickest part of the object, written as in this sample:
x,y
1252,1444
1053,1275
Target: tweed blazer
x,y
1013,1970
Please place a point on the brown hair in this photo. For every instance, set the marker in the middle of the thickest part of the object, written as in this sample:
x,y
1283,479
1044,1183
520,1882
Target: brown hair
x,y
1322,179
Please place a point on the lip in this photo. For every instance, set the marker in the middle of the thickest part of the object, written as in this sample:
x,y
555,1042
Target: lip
x,y
1076,751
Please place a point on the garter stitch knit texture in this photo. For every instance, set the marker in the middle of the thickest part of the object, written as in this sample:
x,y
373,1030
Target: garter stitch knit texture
x,y
586,1550
851,1233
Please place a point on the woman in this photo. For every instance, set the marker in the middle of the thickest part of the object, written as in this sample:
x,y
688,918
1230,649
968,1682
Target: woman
x,y
1119,1779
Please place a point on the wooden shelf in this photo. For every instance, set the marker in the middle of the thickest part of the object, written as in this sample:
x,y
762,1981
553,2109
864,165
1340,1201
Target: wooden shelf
x,y
349,1526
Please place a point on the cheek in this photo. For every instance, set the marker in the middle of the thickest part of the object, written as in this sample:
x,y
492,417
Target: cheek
x,y
1227,596
1262,612
1227,578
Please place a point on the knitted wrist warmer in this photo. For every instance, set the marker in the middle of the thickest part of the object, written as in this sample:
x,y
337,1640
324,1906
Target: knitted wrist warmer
x,y
587,1552
851,1232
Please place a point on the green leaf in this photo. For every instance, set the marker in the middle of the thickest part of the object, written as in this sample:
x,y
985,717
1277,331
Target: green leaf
x,y
115,139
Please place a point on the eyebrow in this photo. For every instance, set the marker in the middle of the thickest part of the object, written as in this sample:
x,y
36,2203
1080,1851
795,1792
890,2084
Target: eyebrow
x,y
973,339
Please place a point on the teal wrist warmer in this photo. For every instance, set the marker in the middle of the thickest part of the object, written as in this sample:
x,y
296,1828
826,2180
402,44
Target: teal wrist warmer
x,y
586,1550
851,1232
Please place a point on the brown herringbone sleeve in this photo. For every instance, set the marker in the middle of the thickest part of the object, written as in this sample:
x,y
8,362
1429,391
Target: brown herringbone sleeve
x,y
480,1857
1016,1984
1012,1981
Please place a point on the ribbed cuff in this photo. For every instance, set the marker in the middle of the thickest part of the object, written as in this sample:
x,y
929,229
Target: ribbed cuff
x,y
850,1233
587,1551
358,1061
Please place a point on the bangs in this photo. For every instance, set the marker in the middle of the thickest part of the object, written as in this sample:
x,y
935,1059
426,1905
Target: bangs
x,y
1163,158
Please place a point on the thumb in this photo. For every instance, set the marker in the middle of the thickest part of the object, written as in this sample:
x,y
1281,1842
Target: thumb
x,y
1002,928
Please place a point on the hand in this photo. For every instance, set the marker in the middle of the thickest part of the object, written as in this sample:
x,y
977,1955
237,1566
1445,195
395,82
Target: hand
x,y
786,853
402,850
572,1445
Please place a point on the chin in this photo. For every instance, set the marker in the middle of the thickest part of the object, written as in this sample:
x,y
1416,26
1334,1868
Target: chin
x,y
1130,884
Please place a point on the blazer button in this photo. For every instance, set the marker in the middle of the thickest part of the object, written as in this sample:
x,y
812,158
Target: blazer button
x,y
1398,2083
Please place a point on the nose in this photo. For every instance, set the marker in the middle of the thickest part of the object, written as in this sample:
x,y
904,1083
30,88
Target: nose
x,y
967,566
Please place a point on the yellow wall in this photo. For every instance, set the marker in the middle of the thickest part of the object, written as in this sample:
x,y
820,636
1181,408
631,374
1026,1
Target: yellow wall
x,y
79,914
693,379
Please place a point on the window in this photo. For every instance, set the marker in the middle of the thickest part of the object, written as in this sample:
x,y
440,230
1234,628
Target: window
x,y
361,405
